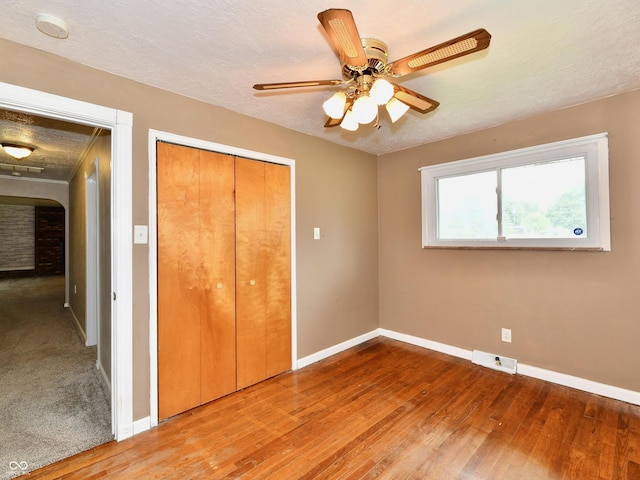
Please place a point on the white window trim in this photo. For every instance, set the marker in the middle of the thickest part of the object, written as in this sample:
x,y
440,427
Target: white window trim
x,y
596,151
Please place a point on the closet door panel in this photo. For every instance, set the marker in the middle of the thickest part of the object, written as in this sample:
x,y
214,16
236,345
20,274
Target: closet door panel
x,y
224,275
278,245
217,266
251,258
178,279
263,270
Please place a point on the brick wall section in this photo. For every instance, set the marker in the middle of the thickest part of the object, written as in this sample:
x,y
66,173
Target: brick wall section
x,y
31,241
49,240
17,234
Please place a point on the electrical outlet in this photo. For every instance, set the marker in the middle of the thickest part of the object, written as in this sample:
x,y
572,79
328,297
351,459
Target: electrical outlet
x,y
506,335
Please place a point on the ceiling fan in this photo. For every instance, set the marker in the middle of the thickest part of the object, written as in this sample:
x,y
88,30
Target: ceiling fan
x,y
365,66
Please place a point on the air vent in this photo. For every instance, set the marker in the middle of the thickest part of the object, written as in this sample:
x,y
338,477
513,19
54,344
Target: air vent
x,y
495,362
20,168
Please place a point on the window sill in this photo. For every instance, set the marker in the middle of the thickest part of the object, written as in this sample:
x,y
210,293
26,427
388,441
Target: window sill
x,y
558,249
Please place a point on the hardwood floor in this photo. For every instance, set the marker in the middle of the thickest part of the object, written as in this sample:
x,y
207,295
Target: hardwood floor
x,y
388,410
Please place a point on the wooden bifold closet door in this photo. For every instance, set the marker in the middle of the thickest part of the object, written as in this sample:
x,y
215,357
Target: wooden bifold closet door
x,y
263,270
224,283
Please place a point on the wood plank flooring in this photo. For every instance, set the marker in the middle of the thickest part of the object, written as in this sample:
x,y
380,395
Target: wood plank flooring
x,y
386,410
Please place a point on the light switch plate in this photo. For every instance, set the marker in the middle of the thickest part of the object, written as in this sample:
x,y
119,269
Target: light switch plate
x,y
140,234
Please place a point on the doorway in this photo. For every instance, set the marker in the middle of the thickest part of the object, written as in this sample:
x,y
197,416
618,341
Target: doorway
x,y
119,122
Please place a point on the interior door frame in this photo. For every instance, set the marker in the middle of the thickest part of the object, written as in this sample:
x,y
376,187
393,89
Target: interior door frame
x,y
120,123
154,137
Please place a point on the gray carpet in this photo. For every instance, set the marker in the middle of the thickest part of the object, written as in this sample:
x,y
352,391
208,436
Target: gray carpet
x,y
52,401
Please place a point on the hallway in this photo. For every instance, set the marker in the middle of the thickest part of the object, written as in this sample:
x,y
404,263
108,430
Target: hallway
x,y
52,401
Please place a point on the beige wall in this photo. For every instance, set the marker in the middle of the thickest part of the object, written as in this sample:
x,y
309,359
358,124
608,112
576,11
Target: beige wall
x,y
77,245
77,241
22,187
571,312
102,150
336,190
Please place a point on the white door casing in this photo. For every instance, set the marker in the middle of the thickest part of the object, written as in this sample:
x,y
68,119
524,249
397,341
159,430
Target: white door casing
x,y
120,123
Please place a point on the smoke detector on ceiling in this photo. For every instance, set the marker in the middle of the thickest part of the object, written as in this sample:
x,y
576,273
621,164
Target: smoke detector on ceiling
x,y
53,26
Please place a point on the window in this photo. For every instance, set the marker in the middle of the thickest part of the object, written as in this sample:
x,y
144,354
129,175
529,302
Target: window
x,y
548,196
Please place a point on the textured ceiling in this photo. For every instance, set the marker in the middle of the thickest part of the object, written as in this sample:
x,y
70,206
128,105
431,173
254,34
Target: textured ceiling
x,y
544,55
59,146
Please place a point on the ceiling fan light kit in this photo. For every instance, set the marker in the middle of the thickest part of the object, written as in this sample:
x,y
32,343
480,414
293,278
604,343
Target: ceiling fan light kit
x,y
334,107
349,121
396,109
364,109
381,91
364,66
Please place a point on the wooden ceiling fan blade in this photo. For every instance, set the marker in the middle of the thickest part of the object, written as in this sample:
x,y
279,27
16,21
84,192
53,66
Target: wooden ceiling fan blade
x,y
343,33
414,100
311,83
332,122
454,48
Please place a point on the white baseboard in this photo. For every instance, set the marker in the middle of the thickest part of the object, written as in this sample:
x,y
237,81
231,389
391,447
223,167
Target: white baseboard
x,y
610,391
141,425
78,324
589,386
103,375
431,345
327,352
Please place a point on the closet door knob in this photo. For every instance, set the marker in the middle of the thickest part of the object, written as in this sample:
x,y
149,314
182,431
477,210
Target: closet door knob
x,y
219,285
252,282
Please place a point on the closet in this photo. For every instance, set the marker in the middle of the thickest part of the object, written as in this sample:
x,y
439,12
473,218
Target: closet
x,y
224,274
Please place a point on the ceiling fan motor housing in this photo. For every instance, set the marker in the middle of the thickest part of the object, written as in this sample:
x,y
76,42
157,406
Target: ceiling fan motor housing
x,y
376,52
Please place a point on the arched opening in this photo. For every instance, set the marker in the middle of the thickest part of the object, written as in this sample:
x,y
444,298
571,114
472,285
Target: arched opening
x,y
45,364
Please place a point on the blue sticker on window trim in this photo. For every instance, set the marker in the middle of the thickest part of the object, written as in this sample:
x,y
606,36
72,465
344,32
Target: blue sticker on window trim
x,y
578,231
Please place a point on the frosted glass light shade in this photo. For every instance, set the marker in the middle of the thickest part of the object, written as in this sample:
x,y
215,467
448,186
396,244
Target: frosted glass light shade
x,y
334,107
381,91
396,109
365,109
349,122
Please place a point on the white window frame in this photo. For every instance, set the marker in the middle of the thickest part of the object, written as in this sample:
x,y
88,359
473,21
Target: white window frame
x,y
595,149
